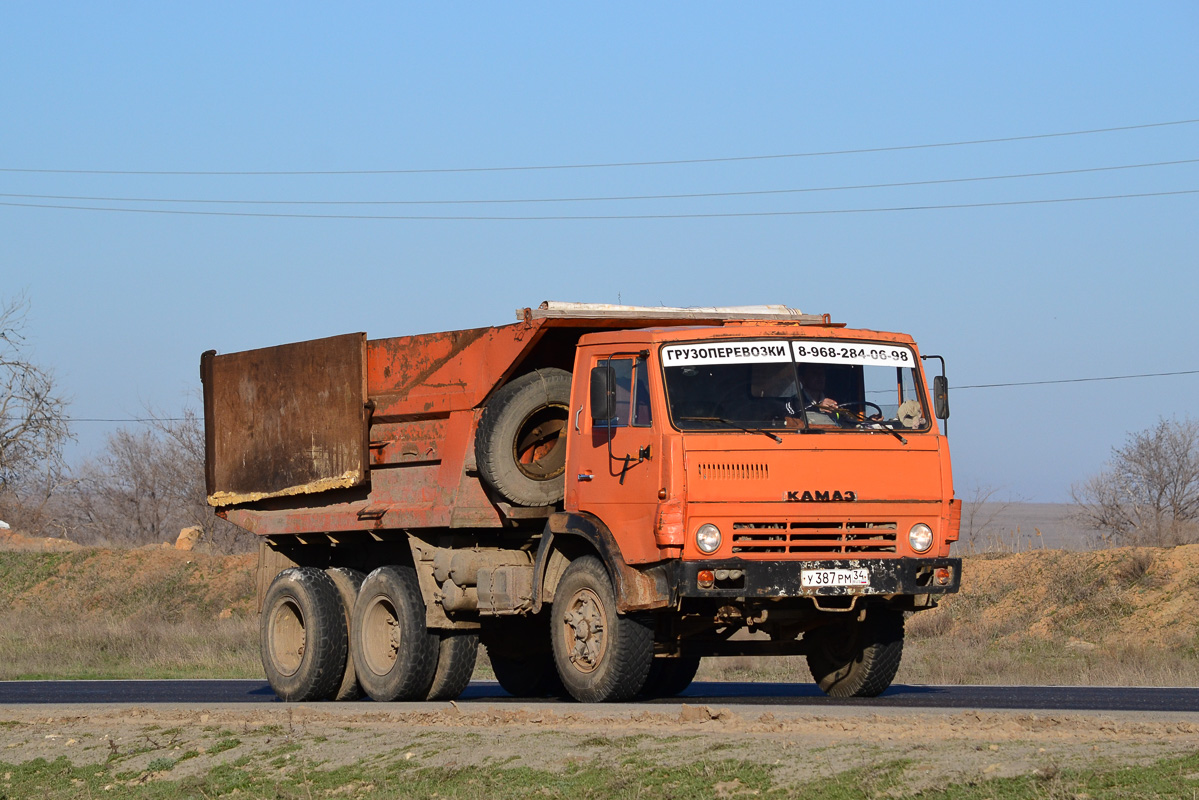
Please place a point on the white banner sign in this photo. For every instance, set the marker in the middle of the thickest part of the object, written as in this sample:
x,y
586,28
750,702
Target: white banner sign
x,y
833,352
682,355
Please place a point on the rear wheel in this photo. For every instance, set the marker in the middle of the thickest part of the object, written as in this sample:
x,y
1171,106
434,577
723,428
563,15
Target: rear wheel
x,y
857,659
347,582
456,656
602,656
302,638
395,655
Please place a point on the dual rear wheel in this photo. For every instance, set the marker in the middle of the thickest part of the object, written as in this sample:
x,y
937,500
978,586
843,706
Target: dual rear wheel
x,y
336,634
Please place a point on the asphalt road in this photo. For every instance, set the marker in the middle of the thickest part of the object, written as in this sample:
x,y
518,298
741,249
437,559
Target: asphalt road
x,y
1032,698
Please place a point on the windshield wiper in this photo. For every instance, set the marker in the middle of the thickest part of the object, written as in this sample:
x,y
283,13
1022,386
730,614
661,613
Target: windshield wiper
x,y
878,426
730,423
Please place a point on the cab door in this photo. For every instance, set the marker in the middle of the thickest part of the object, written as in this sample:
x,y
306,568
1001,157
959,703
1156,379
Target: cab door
x,y
618,469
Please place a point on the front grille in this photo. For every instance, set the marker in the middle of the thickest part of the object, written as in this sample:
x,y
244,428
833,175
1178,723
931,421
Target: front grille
x,y
733,472
814,538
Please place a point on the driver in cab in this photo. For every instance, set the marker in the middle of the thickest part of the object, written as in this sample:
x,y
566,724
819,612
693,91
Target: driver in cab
x,y
811,396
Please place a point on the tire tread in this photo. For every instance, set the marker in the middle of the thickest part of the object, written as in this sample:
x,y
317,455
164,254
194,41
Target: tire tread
x,y
631,641
492,456
325,642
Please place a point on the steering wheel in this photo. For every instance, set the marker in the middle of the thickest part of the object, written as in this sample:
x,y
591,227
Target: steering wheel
x,y
865,405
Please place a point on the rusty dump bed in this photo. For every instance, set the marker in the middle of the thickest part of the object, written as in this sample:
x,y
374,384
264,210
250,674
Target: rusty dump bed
x,y
316,417
285,420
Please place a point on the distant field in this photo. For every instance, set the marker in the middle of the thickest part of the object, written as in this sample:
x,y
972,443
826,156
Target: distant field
x,y
1018,527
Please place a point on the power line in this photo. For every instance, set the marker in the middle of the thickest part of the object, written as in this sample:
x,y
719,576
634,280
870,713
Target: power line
x,y
586,217
691,195
603,165
952,388
131,419
1078,380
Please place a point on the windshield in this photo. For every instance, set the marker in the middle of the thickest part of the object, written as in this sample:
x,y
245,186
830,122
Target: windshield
x,y
781,385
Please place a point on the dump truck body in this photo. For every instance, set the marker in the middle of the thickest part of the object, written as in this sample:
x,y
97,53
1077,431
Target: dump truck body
x,y
587,483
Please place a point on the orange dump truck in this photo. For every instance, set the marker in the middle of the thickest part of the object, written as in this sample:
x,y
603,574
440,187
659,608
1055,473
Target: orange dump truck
x,y
601,495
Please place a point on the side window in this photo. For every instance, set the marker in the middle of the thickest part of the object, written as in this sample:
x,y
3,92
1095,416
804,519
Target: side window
x,y
622,376
641,409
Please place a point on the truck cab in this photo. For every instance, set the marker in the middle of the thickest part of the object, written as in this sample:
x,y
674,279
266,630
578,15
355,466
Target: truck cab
x,y
789,474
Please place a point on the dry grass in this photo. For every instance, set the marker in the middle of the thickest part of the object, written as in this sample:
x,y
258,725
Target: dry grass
x,y
140,646
1114,617
1117,617
133,613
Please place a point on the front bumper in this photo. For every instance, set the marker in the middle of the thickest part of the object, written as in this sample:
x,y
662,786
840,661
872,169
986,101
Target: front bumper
x,y
887,576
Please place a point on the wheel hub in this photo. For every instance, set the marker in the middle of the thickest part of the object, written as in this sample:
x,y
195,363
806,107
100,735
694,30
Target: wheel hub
x,y
382,634
288,638
585,630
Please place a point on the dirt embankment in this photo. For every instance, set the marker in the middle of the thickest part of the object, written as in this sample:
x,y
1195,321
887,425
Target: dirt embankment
x,y
71,612
55,575
1115,616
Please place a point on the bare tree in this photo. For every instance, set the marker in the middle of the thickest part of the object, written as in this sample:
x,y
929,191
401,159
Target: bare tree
x,y
185,437
127,494
147,485
33,424
981,510
1149,491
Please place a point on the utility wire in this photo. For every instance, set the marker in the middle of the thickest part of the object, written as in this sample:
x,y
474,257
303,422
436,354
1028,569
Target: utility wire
x,y
952,388
692,195
582,217
725,159
1077,380
131,419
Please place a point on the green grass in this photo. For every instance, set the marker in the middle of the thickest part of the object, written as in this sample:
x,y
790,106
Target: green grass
x,y
22,571
222,745
636,777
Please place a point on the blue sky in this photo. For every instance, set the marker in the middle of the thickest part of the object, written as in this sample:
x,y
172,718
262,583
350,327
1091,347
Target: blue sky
x,y
124,303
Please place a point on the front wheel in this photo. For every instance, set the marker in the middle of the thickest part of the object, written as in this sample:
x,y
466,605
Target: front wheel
x,y
522,657
530,676
857,659
670,676
601,656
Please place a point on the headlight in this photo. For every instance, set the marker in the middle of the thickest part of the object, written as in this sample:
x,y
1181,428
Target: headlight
x,y
920,537
707,538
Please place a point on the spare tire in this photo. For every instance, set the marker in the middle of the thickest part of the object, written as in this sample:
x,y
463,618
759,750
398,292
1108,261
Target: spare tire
x,y
520,448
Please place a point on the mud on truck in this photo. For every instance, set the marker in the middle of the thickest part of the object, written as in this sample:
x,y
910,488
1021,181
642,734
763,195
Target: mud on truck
x,y
599,495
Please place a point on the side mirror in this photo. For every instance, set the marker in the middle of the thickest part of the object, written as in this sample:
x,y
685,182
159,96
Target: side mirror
x,y
941,397
603,395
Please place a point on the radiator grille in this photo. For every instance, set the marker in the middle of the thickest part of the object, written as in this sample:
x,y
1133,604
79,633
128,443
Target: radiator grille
x,y
814,538
734,472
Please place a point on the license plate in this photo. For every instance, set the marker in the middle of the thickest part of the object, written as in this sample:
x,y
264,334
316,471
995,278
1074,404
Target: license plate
x,y
834,577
